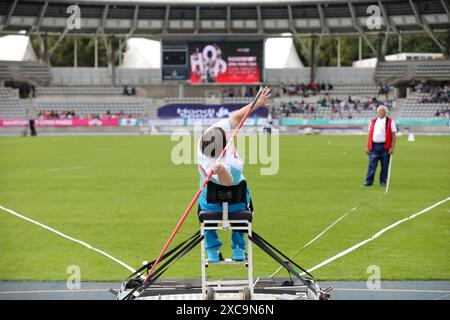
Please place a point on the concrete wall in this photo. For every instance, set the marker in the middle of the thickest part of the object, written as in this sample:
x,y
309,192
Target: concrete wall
x,y
334,75
145,77
100,76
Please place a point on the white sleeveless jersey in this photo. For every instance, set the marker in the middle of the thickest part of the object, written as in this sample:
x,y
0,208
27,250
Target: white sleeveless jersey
x,y
231,160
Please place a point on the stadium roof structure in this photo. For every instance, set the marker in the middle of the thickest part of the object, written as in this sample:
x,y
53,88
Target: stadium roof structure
x,y
229,17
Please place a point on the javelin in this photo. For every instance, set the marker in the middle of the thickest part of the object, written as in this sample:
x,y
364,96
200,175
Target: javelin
x,y
208,177
389,172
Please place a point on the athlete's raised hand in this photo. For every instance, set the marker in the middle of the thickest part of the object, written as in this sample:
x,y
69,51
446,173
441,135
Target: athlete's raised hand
x,y
266,93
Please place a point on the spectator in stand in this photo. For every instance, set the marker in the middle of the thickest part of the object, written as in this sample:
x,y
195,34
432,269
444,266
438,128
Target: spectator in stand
x,y
322,87
313,87
283,88
334,112
247,92
342,106
435,93
305,91
292,91
297,87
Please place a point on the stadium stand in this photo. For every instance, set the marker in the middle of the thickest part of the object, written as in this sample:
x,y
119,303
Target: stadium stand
x,y
436,71
19,71
184,100
407,71
414,109
5,74
243,100
428,102
354,90
86,108
342,76
190,100
10,107
79,90
360,107
35,72
64,76
306,90
388,71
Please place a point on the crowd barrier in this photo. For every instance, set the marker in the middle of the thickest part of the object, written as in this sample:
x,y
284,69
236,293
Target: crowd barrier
x,y
61,123
252,121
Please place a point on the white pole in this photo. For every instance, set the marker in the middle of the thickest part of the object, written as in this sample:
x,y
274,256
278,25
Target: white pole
x,y
95,52
359,48
339,52
75,53
389,172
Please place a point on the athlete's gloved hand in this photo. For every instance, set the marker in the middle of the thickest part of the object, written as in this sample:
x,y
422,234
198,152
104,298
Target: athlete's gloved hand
x,y
265,95
218,168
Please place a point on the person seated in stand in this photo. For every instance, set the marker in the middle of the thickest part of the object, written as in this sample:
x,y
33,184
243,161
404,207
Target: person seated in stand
x,y
226,172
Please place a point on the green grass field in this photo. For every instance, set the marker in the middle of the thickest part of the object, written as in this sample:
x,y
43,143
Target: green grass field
x,y
123,195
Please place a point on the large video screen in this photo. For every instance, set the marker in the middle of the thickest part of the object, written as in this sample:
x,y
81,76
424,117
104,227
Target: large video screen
x,y
225,62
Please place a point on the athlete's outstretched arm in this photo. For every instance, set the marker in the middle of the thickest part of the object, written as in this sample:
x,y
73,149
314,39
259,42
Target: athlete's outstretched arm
x,y
237,116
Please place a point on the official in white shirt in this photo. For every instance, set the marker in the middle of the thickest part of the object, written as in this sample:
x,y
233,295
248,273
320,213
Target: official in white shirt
x,y
380,145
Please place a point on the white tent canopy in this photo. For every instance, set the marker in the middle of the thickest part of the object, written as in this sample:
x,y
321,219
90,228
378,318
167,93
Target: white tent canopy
x,y
404,56
16,48
142,53
280,53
